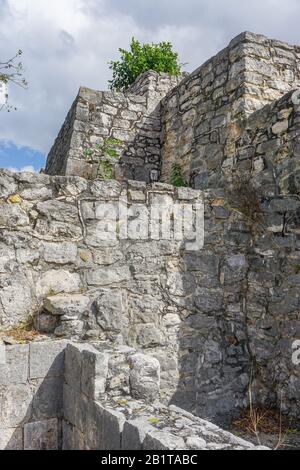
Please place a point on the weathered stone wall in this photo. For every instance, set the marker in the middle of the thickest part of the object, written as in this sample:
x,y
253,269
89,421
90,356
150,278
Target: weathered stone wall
x,y
205,315
199,114
55,395
132,117
56,267
31,395
165,120
266,148
214,317
111,403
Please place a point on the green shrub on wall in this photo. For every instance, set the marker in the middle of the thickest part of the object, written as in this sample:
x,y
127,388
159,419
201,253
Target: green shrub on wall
x,y
141,58
177,178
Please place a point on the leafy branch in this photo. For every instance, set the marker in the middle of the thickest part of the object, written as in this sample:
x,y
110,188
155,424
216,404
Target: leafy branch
x,y
11,71
141,58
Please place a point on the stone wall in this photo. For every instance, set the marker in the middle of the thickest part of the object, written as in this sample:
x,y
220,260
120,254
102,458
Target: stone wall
x,y
266,148
199,114
164,120
205,315
132,118
110,403
56,395
74,283
219,319
31,395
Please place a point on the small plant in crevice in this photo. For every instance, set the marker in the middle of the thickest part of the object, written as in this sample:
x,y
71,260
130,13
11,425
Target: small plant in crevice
x,y
260,421
245,198
296,268
106,156
177,178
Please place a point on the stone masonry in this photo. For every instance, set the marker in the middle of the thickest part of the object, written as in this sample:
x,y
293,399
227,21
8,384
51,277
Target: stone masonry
x,y
217,320
133,118
82,397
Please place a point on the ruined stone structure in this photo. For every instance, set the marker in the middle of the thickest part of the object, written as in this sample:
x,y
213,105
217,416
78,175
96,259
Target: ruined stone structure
x,y
94,398
193,328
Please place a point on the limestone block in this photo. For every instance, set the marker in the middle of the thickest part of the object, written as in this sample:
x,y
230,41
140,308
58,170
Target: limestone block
x,y
107,275
11,439
161,440
144,377
94,428
60,253
16,298
149,336
69,399
73,367
283,205
16,404
41,435
15,369
208,300
280,127
94,374
109,310
78,440
106,189
112,423
87,210
71,306
73,363
67,436
57,281
188,194
79,168
12,215
46,322
7,256
25,255
48,398
69,328
72,186
58,210
181,284
37,193
136,195
110,109
195,443
8,185
106,257
47,359
134,433
81,404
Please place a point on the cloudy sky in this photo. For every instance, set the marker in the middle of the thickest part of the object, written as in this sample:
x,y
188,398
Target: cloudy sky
x,y
67,43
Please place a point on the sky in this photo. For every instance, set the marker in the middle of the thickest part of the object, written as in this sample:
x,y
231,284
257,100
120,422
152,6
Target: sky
x,y
68,43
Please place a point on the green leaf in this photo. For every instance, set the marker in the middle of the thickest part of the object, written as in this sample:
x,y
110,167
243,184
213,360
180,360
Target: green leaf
x,y
141,58
177,178
153,420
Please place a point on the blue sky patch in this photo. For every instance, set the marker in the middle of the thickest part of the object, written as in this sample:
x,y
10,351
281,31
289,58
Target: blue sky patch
x,y
20,158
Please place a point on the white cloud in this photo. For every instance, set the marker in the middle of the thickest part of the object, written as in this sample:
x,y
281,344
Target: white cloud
x,y
67,43
28,169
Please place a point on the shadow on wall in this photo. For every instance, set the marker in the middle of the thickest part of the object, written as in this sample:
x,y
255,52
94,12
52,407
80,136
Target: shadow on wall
x,y
214,358
33,409
141,158
238,310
